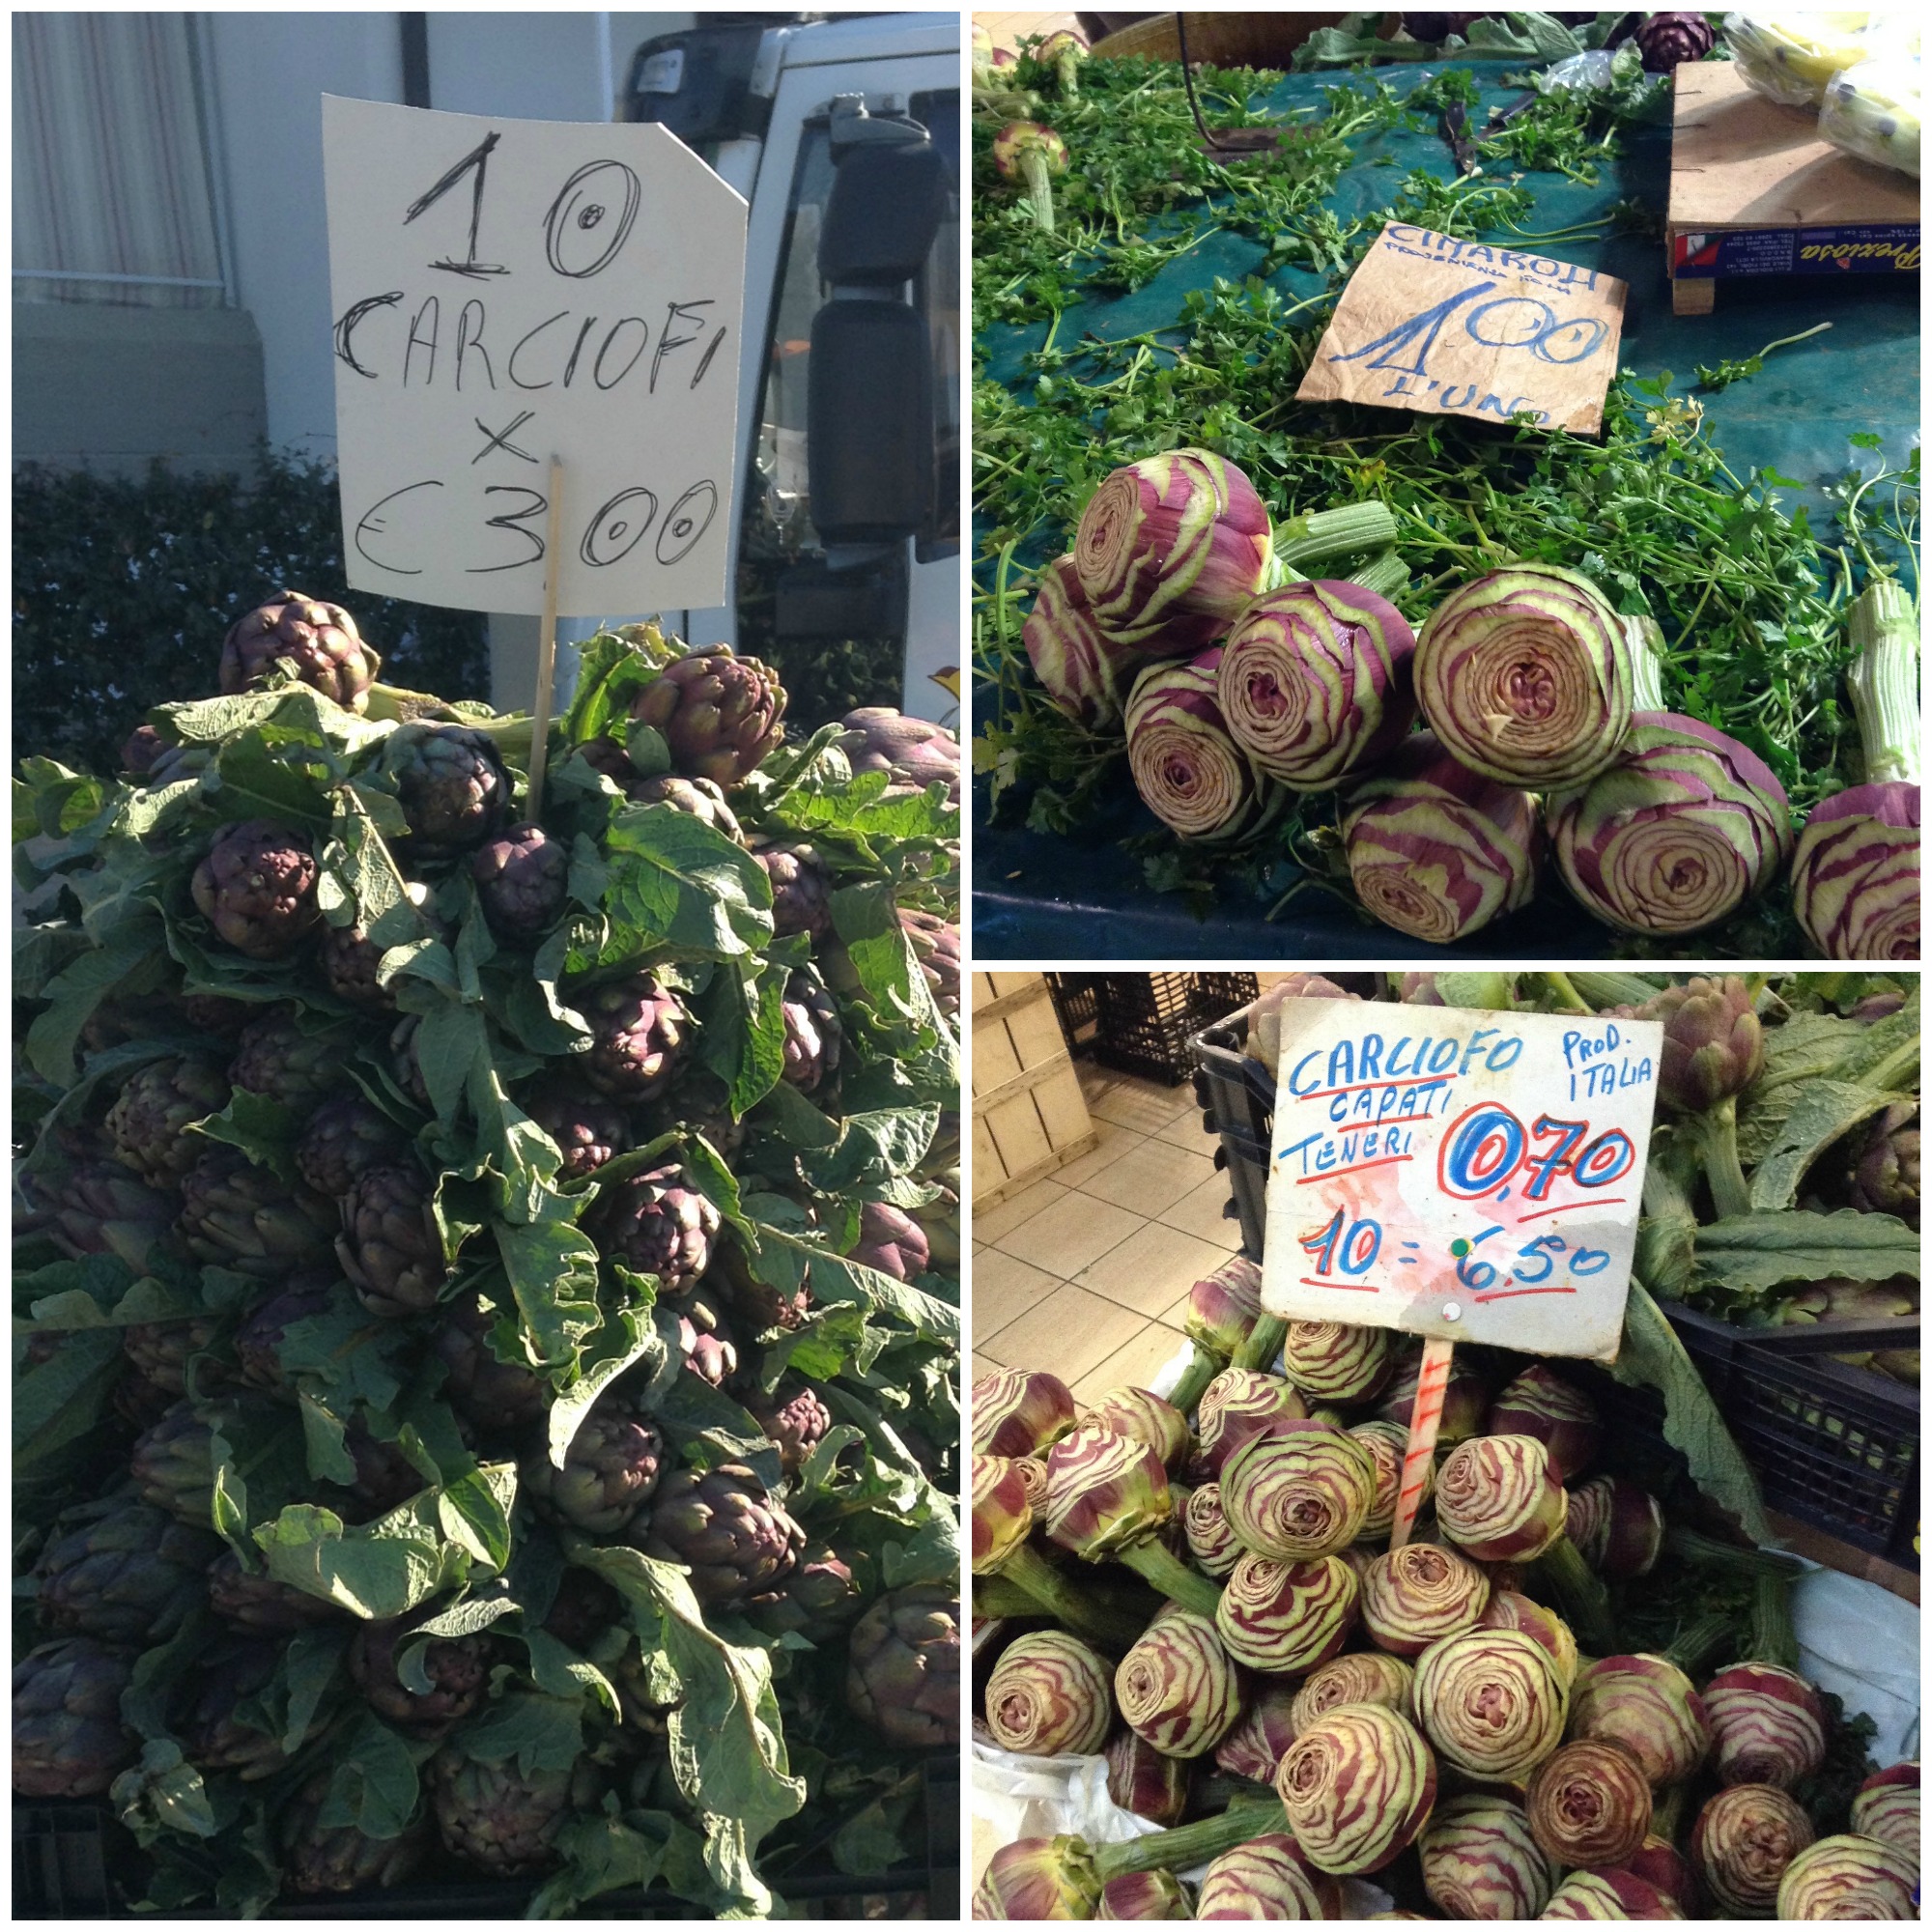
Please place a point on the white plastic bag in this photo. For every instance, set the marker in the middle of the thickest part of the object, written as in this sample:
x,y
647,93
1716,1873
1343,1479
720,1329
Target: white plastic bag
x,y
1872,111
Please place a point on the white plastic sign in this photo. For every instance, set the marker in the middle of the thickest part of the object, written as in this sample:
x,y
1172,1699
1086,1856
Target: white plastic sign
x,y
509,292
1471,1176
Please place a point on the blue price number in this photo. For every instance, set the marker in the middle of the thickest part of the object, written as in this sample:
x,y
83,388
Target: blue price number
x,y
1352,1247
1484,1151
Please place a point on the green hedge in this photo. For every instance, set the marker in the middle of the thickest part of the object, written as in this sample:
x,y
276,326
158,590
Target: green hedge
x,y
124,590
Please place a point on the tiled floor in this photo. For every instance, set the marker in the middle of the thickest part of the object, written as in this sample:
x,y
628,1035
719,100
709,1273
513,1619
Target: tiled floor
x,y
1087,1273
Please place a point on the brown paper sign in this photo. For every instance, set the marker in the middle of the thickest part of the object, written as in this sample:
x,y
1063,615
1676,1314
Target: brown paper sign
x,y
1469,329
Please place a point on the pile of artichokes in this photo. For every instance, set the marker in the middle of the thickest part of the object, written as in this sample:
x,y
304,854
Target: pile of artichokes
x,y
486,1281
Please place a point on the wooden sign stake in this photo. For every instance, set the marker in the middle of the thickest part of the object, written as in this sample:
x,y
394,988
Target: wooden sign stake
x,y
1431,1381
547,643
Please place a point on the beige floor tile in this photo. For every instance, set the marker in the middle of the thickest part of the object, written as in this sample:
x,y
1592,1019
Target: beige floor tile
x,y
1023,1207
1133,1366
1152,1269
1148,1178
1074,1230
1199,1212
1003,1288
1185,1131
983,1359
1069,1333
1142,1105
1114,1142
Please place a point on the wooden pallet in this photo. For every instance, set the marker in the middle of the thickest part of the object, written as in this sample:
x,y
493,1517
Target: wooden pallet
x,y
1029,1115
1754,190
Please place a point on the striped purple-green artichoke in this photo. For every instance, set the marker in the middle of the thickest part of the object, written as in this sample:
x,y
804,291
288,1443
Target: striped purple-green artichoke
x,y
1480,1861
1659,1862
1465,1401
1887,1806
1146,1418
523,882
1079,666
1269,1877
317,642
344,1136
256,887
68,1741
1435,850
1337,1361
1743,1839
1680,831
1148,1894
1388,1447
1223,1307
1240,1404
1184,762
902,1668
735,1537
658,1223
1849,1877
1357,1785
1002,1512
1498,1499
390,1246
720,715
131,1574
1854,873
1020,1411
457,1670
637,1030
1612,1893
1210,1539
318,1858
1617,1525
1508,1609
151,1115
279,1059
241,1216
1491,1702
1170,549
1299,1490
1525,674
1145,1782
609,1474
1177,1686
1647,1705
1589,1803
1038,1878
1540,1403
1104,1494
1314,682
1264,1731
1419,1594
1360,1677
1768,1725
1285,1617
1049,1694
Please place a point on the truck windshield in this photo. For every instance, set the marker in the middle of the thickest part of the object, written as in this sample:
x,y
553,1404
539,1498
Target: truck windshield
x,y
777,530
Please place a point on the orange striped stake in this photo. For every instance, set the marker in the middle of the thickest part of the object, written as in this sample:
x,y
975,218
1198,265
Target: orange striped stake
x,y
1431,1381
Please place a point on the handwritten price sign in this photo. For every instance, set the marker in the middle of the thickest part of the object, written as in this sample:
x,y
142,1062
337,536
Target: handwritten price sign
x,y
1466,1176
1455,328
507,292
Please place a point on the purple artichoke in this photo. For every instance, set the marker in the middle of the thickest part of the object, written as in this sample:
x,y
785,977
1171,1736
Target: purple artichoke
x,y
215,1731
1667,41
129,1575
935,945
902,1668
344,1138
587,1130
812,1033
1854,873
719,714
276,1058
161,1351
915,753
698,798
241,1216
707,1348
258,1342
496,1815
891,1242
636,1029
254,1602
699,1101
1078,665
737,1541
1185,761
1884,1179
97,1208
173,1465
256,887
317,641
151,1117
453,788
391,1248
68,1741
490,1394
523,880
458,1670
608,1472
796,1419
800,887
820,1598
319,1858
658,1224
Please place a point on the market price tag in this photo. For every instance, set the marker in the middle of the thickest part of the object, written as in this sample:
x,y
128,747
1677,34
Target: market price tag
x,y
1470,1177
513,293
1464,329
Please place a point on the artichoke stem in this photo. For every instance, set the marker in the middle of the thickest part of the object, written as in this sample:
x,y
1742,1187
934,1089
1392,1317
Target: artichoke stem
x,y
1695,1547
1883,681
1040,185
1697,1643
1194,1379
1263,1344
1060,1598
1313,539
1170,1576
1645,636
1586,1604
1189,1845
1386,575
1773,1638
1717,1136
1667,1811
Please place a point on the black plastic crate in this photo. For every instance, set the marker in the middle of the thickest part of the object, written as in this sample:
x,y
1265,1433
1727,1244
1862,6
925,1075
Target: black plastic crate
x,y
1148,1020
1833,1445
1076,1005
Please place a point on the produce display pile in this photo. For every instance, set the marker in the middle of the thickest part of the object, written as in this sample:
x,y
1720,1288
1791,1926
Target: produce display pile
x,y
1638,680
1574,1692
486,1300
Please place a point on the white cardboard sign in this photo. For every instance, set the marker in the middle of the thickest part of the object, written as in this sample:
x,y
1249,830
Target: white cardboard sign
x,y
1471,1176
509,292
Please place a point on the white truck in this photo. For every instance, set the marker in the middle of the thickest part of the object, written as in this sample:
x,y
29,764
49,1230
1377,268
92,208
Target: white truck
x,y
845,136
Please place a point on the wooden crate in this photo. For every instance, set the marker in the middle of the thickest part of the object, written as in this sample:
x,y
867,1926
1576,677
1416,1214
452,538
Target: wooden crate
x,y
1756,190
1029,1114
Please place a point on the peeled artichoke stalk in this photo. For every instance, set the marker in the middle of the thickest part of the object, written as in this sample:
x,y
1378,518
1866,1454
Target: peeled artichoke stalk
x,y
1200,1369
1263,1344
1693,1647
1695,1547
1060,1598
1581,1593
1773,1637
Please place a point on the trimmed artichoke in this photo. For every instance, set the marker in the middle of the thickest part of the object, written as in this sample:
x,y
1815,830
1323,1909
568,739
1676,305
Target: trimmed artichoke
x,y
317,642
1020,1411
523,880
1491,1702
1887,1806
1498,1499
1146,1418
1336,1362
68,1741
1540,1403
1240,1404
1767,1725
1286,1617
1507,1609
1049,1694
736,1540
1480,1861
1177,1686
719,714
1300,1491
1264,1731
256,887
1357,1785
1849,1878
1649,1707
1362,1677
1143,1780
1589,1803
1148,1894
1269,1877
1211,1538
1743,1839
1419,1594
902,1668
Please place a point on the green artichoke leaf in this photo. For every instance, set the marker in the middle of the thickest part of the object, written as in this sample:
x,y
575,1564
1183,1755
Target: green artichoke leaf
x,y
871,1150
266,1130
1666,1235
1749,1253
1822,1111
613,668
711,1427
473,1512
551,1267
603,1854
75,992
60,814
557,1671
294,716
715,1181
165,1794
372,1570
629,1336
835,1279
828,1342
676,882
741,1037
374,1784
